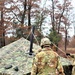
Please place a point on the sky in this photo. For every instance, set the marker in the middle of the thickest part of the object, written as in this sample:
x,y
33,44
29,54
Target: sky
x,y
71,30
73,3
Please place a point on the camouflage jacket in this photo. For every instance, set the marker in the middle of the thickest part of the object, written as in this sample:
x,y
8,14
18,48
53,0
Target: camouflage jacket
x,y
73,63
46,62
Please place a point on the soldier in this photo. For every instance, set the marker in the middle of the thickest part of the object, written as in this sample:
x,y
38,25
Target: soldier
x,y
46,62
72,58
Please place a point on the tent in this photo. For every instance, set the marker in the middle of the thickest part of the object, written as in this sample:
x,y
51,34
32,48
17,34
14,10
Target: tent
x,y
15,58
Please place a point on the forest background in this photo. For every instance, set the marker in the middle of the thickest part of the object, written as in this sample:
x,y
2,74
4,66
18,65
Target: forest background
x,y
51,18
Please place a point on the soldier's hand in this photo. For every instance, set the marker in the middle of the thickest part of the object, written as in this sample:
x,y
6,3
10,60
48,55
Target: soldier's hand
x,y
68,54
60,73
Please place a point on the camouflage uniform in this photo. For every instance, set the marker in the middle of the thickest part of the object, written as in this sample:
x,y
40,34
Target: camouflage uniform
x,y
46,62
73,69
73,64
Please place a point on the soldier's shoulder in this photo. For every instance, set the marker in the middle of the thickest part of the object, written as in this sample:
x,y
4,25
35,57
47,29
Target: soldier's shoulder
x,y
40,53
56,54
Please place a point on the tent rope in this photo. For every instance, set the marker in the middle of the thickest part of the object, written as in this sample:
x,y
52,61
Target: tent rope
x,y
34,37
51,42
58,48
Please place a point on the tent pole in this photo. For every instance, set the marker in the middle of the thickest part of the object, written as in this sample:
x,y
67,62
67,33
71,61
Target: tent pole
x,y
31,39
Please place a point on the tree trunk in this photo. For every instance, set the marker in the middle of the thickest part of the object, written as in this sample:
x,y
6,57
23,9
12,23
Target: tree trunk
x,y
2,30
53,21
65,40
29,9
23,16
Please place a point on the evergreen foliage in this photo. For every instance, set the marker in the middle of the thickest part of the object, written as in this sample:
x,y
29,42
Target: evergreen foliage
x,y
54,37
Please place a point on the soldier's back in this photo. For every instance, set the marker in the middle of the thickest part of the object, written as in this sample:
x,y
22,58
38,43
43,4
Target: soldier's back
x,y
47,60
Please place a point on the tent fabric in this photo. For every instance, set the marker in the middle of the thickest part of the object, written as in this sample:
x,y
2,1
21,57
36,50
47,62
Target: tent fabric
x,y
16,54
65,62
15,58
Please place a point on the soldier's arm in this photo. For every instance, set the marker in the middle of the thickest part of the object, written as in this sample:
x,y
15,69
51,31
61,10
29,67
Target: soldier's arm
x,y
71,55
34,67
